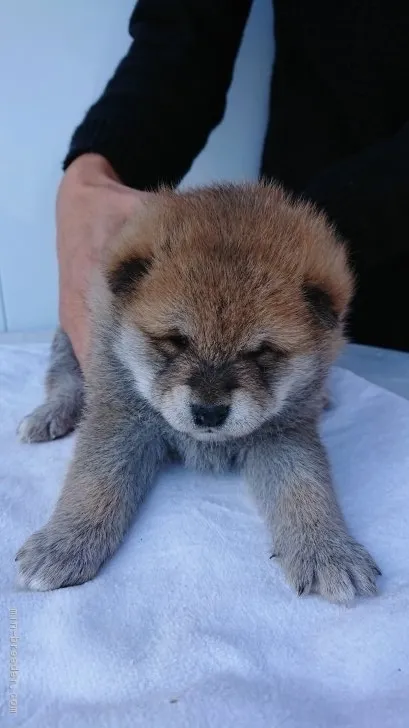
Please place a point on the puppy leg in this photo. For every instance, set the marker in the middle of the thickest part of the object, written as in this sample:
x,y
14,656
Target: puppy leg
x,y
115,462
291,480
62,409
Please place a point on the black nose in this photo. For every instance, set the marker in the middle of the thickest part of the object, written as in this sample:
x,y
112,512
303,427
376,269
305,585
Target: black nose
x,y
209,415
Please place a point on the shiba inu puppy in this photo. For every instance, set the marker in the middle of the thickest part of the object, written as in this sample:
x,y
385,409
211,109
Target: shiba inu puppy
x,y
217,317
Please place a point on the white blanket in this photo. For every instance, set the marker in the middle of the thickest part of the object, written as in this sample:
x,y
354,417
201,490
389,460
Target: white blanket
x,y
191,625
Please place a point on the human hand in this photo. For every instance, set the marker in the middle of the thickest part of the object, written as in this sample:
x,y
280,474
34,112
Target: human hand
x,y
92,206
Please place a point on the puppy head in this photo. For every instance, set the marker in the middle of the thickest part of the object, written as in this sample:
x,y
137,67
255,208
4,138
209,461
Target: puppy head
x,y
226,300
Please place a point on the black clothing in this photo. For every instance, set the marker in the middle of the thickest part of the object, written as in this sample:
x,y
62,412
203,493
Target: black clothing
x,y
337,132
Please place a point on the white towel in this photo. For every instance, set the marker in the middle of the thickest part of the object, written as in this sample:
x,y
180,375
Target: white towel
x,y
191,625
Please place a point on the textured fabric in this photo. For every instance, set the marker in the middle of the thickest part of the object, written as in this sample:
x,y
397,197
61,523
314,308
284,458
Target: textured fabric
x,y
388,369
191,623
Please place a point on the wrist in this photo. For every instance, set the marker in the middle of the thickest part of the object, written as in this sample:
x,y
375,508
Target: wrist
x,y
90,169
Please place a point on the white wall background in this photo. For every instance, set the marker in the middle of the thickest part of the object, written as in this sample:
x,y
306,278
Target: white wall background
x,y
55,57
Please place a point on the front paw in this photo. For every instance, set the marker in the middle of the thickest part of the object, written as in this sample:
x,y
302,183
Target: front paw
x,y
332,564
54,558
49,421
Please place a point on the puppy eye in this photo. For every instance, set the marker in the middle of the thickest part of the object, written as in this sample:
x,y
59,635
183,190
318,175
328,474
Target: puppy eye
x,y
179,341
263,349
172,344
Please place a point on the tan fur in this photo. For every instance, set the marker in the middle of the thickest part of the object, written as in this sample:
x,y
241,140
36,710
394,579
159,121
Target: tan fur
x,y
248,288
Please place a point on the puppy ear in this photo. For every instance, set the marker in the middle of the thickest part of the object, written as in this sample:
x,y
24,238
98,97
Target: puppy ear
x,y
320,305
129,257
124,275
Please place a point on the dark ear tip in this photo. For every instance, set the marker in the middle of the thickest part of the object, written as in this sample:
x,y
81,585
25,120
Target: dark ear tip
x,y
321,305
123,277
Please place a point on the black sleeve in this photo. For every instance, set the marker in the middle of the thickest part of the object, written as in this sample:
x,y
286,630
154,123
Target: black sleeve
x,y
169,91
367,197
